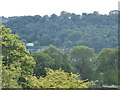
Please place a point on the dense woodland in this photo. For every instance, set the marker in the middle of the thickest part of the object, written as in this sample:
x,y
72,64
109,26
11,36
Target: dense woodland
x,y
19,68
92,52
67,30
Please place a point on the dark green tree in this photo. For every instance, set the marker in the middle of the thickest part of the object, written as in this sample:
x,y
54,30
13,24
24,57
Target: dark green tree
x,y
52,58
108,65
82,57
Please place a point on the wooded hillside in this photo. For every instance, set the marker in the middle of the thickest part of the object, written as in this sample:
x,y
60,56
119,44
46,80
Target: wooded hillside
x,y
67,30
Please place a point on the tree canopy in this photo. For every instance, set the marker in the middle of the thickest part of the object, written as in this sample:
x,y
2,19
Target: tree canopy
x,y
16,60
57,79
67,30
52,58
18,66
82,57
108,65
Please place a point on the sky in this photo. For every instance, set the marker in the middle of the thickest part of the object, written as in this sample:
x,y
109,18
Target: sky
x,y
48,7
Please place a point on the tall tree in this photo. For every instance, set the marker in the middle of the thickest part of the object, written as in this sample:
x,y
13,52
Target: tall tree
x,y
16,58
81,56
108,65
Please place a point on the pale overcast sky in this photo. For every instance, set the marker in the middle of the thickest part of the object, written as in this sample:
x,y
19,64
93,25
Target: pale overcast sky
x,y
48,7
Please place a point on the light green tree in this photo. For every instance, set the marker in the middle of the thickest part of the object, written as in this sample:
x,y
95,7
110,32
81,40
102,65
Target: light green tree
x,y
16,60
10,77
57,79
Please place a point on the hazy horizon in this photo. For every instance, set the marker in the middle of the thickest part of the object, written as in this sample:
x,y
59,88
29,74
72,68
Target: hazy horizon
x,y
59,14
45,7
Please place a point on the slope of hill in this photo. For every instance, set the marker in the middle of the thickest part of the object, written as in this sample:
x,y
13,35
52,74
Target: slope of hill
x,y
67,30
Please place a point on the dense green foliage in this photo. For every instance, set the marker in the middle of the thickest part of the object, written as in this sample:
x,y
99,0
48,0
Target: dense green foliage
x,y
52,58
18,65
82,57
76,36
57,79
67,30
16,60
108,65
81,60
